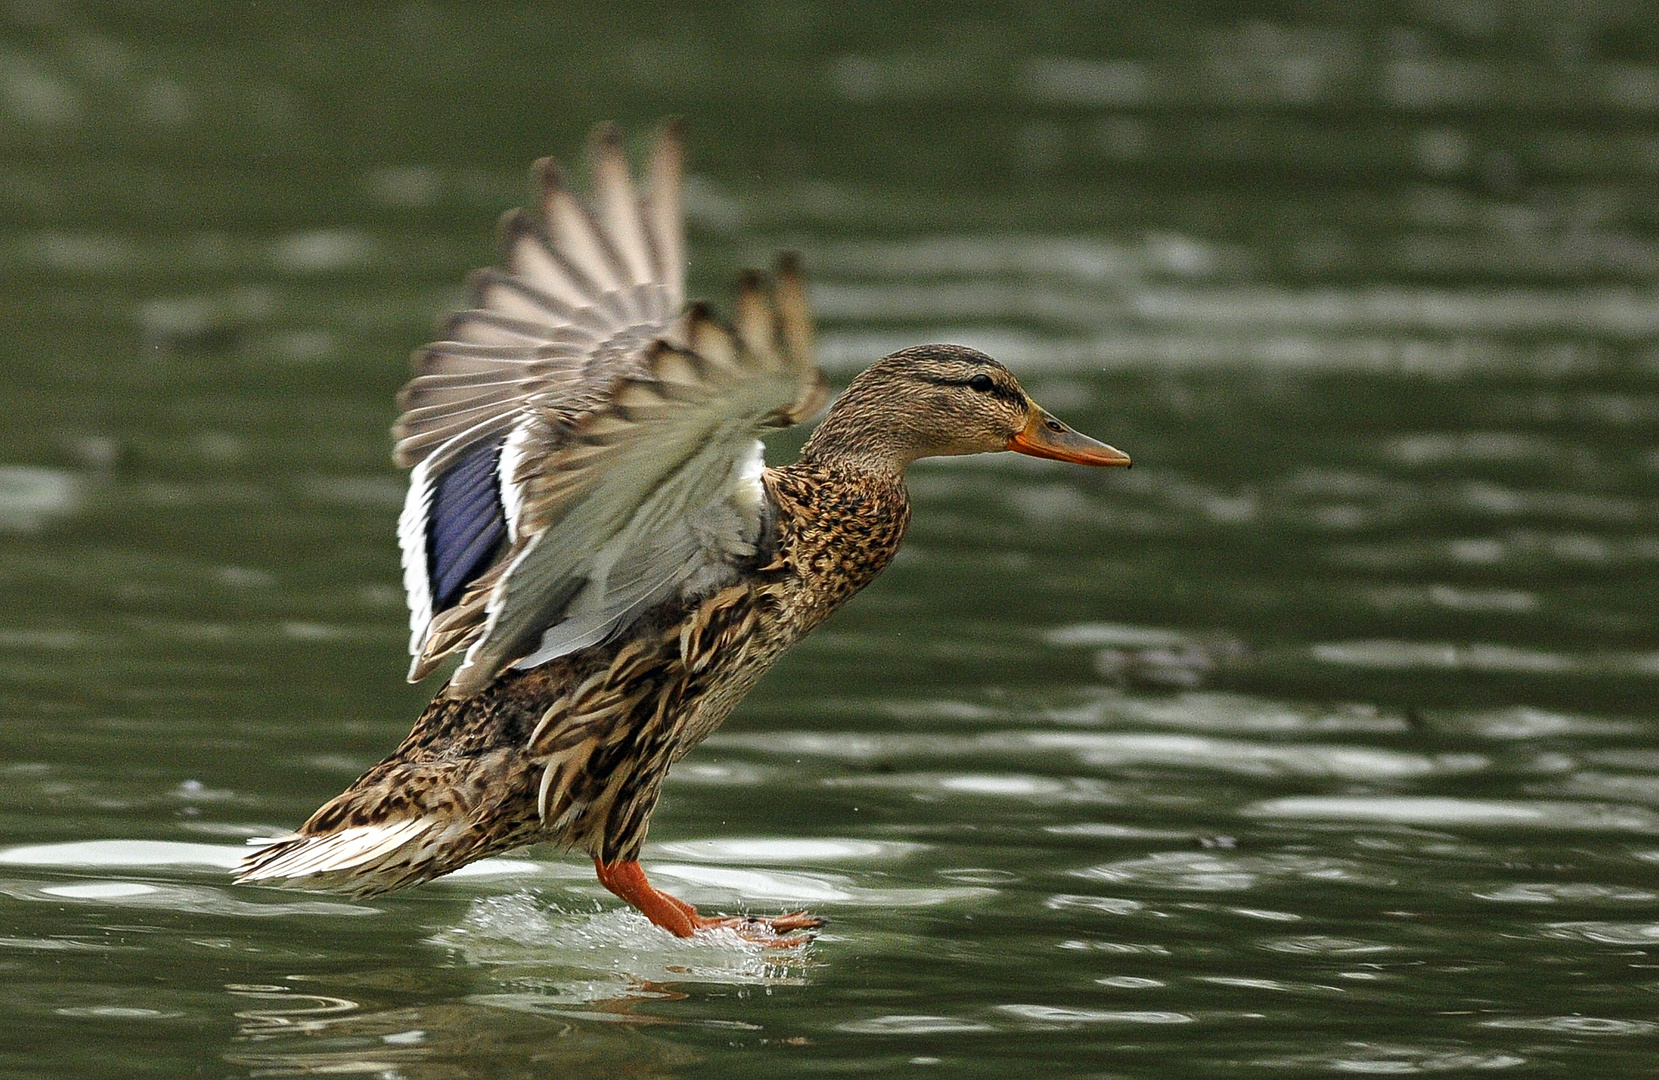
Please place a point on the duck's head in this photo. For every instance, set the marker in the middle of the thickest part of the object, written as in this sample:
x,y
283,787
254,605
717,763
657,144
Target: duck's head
x,y
940,400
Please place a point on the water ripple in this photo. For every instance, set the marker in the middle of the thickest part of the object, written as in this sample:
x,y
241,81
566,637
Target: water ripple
x,y
988,785
55,945
1434,810
1577,1025
1385,1060
1220,711
1105,830
1111,905
1255,759
1525,722
904,1024
1571,893
32,497
1603,933
1401,655
1208,871
723,884
1275,986
1611,786
1043,1016
785,849
1414,655
179,898
118,1012
124,853
1325,945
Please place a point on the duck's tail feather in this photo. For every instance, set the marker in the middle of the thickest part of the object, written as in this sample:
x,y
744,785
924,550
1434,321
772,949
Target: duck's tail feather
x,y
360,859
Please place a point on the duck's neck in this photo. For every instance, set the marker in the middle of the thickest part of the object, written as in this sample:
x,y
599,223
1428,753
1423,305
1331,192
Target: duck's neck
x,y
849,439
839,524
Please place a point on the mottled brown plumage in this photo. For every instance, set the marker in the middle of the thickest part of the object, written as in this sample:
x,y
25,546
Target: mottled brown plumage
x,y
571,745
575,751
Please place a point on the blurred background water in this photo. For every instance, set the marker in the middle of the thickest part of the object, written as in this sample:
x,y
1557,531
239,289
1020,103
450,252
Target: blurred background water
x,y
1322,742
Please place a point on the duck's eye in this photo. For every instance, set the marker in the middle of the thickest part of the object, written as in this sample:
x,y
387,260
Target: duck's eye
x,y
982,383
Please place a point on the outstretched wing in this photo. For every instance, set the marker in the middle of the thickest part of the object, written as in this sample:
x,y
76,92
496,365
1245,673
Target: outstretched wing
x,y
580,449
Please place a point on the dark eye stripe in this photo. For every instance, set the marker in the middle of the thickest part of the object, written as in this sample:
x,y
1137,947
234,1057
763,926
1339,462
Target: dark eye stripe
x,y
997,390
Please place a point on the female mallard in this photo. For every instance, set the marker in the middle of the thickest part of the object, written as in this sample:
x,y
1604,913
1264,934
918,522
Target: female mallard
x,y
589,523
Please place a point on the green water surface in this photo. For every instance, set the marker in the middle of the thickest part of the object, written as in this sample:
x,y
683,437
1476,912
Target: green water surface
x,y
1321,742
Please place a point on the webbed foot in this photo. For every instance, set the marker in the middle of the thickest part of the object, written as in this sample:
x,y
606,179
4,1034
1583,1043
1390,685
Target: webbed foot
x,y
766,931
627,880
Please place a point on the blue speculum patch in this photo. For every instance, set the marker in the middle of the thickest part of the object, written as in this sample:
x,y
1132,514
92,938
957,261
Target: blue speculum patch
x,y
465,525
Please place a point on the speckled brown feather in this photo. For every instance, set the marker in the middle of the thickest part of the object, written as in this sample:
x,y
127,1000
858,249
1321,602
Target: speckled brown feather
x,y
574,752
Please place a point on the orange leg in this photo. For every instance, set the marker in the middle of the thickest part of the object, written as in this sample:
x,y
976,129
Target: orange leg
x,y
627,880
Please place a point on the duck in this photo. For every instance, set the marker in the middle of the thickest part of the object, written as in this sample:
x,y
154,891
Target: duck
x,y
594,546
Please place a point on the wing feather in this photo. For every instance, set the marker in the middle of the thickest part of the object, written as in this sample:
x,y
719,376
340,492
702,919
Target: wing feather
x,y
575,232
794,317
662,211
649,474
479,326
528,252
440,423
467,522
618,206
425,385
517,298
581,445
442,443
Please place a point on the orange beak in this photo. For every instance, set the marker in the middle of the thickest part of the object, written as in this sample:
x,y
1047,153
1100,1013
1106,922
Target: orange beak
x,y
1046,437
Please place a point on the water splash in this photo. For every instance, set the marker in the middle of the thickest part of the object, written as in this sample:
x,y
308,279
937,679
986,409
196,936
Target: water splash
x,y
541,957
